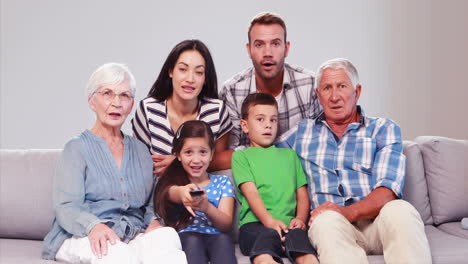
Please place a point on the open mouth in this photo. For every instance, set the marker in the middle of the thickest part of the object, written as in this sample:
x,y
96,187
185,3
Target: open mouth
x,y
268,65
188,89
115,115
196,168
267,134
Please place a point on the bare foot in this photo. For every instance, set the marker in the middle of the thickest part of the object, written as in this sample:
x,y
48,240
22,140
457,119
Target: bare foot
x,y
264,259
307,259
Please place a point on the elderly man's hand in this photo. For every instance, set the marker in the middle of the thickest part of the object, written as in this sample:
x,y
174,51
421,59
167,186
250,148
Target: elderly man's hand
x,y
329,206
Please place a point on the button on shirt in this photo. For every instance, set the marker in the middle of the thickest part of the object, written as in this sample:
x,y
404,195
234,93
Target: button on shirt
x,y
90,189
296,101
345,171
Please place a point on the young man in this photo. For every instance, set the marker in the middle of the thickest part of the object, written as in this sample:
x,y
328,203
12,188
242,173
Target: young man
x,y
272,190
291,86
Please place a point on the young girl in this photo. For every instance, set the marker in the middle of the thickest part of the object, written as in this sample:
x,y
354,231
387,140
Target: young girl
x,y
199,205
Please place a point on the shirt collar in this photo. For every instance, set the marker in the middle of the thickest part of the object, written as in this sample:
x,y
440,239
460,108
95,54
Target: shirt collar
x,y
362,118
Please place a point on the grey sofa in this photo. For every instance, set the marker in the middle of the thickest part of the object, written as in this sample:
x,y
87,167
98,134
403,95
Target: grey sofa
x,y
436,184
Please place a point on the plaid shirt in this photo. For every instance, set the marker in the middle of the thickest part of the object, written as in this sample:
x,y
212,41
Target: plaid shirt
x,y
296,101
345,171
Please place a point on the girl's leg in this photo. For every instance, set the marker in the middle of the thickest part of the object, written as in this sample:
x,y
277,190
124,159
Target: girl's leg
x,y
194,247
257,240
220,249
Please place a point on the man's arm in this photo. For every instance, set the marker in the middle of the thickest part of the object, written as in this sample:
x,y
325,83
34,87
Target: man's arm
x,y
368,208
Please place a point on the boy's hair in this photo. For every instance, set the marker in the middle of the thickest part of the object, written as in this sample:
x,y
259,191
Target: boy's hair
x,y
175,215
256,99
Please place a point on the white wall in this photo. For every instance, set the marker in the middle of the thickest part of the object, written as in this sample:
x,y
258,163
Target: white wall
x,y
411,55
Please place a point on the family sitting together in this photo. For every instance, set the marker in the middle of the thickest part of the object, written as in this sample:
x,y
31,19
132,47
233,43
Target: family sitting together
x,y
317,179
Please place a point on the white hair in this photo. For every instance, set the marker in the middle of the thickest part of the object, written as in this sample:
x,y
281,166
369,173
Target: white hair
x,y
110,74
337,64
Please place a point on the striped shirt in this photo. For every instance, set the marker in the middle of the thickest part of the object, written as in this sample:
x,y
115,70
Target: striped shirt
x,y
151,125
296,101
345,171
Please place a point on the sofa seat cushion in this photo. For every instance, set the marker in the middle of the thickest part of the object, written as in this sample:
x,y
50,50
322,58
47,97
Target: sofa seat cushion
x,y
445,248
454,228
20,251
445,163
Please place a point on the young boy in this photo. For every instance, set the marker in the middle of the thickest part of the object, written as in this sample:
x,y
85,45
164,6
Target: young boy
x,y
272,190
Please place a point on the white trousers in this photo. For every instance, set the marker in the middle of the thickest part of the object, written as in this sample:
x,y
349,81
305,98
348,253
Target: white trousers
x,y
397,232
161,245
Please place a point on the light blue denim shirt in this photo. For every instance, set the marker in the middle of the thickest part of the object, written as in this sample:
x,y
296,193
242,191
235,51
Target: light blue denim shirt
x,y
89,189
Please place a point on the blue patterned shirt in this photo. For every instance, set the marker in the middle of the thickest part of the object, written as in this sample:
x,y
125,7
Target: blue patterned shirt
x,y
218,188
345,171
89,188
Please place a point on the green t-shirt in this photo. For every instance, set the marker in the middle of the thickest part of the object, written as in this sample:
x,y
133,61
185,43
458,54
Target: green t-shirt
x,y
277,173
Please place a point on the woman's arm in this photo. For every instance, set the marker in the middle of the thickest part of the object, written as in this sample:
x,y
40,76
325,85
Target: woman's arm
x,y
222,155
69,192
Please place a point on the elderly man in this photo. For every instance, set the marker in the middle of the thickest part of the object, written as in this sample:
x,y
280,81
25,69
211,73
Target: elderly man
x,y
356,172
292,86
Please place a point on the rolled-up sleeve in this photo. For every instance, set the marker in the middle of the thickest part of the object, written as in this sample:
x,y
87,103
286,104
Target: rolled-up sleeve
x,y
389,162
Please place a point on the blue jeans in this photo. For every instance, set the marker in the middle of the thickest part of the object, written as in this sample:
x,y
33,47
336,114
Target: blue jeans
x,y
256,239
201,248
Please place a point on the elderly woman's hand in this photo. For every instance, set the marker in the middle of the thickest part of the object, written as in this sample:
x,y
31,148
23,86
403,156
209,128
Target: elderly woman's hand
x,y
161,162
98,238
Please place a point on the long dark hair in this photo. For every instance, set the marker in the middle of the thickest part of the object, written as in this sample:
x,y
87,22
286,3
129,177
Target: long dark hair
x,y
162,88
175,215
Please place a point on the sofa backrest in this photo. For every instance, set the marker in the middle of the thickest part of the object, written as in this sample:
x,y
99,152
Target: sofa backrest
x,y
446,169
415,189
26,192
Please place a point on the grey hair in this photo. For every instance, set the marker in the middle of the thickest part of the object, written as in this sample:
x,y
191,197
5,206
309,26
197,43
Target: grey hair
x,y
110,74
337,64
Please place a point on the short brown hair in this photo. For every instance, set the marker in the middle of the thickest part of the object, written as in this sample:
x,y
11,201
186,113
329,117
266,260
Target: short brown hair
x,y
256,99
267,19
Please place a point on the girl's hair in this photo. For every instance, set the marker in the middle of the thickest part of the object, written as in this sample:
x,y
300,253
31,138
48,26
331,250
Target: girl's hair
x,y
162,88
175,215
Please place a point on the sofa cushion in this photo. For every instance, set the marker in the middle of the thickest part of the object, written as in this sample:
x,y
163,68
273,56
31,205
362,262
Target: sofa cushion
x,y
26,192
445,248
445,163
20,251
415,187
454,228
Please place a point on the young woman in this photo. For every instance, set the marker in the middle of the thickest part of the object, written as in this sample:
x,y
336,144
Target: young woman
x,y
199,205
186,89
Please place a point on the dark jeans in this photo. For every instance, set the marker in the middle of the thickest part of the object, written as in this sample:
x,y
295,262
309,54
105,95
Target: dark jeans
x,y
256,239
201,248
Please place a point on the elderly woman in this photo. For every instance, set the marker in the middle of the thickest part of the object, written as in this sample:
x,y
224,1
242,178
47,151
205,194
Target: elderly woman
x,y
186,89
103,186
